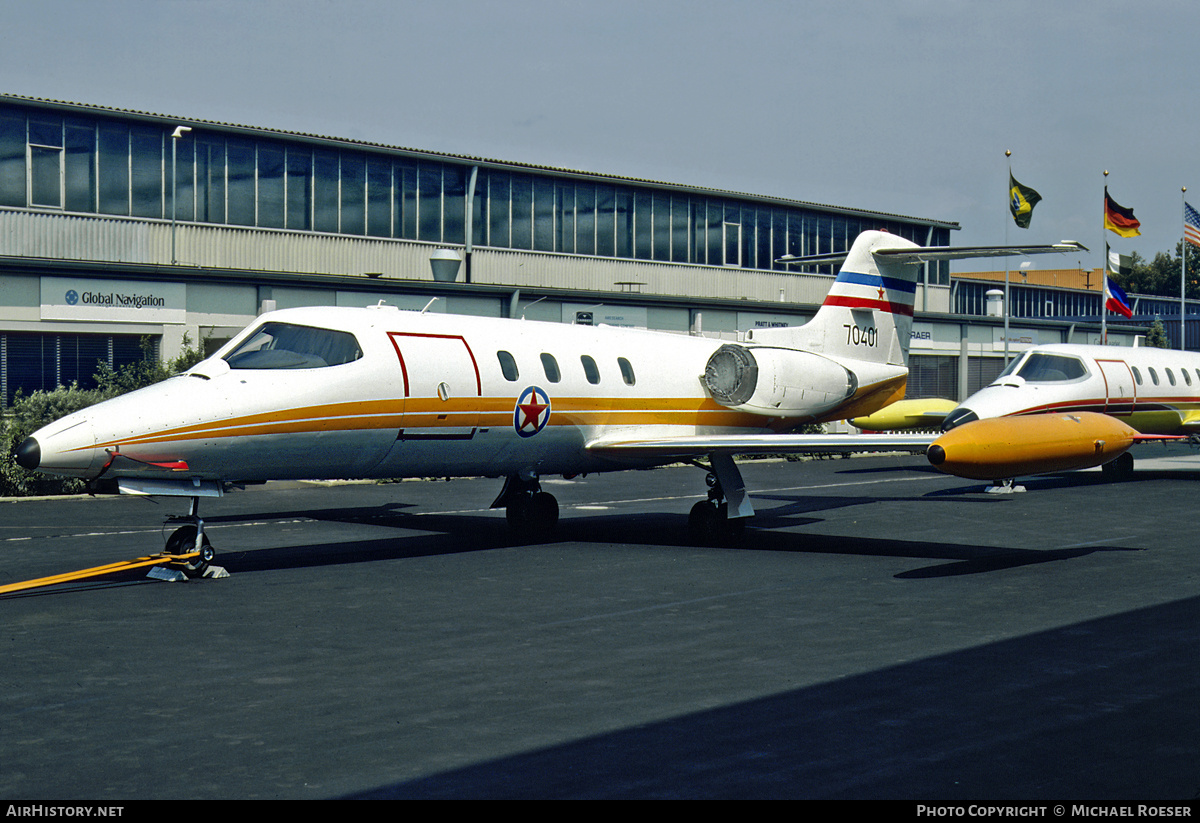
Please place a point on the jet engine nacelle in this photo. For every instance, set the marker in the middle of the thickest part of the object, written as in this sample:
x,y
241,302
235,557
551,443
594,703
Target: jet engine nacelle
x,y
776,382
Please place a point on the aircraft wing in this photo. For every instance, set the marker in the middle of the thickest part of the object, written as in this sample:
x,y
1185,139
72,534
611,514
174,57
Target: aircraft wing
x,y
922,254
702,445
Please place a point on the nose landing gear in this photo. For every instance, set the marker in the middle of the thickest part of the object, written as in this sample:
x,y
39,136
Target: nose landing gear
x,y
189,545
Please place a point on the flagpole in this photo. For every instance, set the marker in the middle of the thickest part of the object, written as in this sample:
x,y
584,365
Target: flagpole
x,y
1007,154
1183,274
1104,269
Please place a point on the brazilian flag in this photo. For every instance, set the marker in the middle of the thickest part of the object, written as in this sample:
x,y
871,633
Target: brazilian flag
x,y
1021,200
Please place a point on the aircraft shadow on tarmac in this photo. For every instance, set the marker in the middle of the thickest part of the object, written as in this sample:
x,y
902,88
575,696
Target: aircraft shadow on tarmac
x,y
422,534
1102,709
455,533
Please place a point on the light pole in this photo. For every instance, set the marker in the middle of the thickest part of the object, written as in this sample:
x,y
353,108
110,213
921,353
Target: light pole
x,y
180,131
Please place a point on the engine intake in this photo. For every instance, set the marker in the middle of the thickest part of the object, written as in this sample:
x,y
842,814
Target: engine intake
x,y
776,382
731,375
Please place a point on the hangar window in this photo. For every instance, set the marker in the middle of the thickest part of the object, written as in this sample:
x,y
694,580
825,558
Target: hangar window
x,y
626,371
590,369
288,346
508,365
1046,368
550,366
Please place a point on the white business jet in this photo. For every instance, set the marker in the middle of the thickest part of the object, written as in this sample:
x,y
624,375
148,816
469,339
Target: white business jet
x,y
381,393
1154,391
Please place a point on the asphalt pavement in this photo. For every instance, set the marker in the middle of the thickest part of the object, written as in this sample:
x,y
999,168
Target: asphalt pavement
x,y
880,631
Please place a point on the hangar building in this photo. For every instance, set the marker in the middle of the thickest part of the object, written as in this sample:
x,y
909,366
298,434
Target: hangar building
x,y
120,226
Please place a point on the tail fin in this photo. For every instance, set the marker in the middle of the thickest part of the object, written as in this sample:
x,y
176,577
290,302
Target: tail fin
x,y
867,315
868,312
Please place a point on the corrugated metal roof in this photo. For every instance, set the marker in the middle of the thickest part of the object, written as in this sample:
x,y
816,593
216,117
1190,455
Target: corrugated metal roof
x,y
77,108
1075,279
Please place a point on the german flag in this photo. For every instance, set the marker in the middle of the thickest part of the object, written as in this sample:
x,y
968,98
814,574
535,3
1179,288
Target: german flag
x,y
1119,219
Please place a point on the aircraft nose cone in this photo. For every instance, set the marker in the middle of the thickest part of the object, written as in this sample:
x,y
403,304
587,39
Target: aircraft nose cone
x,y
958,417
29,454
936,455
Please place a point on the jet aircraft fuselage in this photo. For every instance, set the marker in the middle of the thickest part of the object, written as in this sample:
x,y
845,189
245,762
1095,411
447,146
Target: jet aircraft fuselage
x,y
360,393
1155,391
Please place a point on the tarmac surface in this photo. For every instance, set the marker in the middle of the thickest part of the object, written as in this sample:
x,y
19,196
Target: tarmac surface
x,y
881,631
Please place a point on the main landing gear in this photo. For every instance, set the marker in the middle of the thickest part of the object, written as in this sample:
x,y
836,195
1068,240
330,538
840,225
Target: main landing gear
x,y
722,517
531,513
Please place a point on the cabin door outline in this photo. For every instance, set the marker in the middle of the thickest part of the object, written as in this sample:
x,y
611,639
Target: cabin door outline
x,y
442,388
1120,389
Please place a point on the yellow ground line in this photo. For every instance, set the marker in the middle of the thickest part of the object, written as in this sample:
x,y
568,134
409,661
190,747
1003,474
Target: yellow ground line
x,y
97,571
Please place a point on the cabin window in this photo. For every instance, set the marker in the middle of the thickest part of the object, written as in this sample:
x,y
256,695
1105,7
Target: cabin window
x,y
508,365
1137,376
590,369
550,366
1153,375
1187,378
288,346
1170,377
626,371
1047,368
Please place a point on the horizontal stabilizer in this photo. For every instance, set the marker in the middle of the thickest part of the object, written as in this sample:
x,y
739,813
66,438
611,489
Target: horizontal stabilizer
x,y
923,254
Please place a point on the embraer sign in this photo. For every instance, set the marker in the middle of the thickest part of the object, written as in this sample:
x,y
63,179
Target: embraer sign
x,y
84,298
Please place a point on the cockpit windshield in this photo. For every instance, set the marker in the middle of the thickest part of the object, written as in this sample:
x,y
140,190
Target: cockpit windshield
x,y
287,346
1010,368
1040,367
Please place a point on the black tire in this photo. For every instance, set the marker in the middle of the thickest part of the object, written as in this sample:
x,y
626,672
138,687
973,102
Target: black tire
x,y
1119,468
702,523
183,541
709,524
533,516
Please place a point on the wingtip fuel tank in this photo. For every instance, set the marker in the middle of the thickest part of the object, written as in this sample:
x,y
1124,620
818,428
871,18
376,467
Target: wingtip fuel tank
x,y
926,413
1000,448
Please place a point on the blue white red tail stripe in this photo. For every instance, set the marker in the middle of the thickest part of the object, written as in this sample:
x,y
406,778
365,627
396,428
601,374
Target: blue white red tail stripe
x,y
858,290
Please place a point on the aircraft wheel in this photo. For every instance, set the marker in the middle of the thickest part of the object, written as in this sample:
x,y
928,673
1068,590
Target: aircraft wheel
x,y
709,524
543,511
533,515
1120,468
702,521
183,541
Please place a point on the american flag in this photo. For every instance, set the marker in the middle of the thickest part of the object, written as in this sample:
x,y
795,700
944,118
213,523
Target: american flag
x,y
1191,225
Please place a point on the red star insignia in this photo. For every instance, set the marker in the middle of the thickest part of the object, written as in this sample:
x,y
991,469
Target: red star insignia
x,y
531,411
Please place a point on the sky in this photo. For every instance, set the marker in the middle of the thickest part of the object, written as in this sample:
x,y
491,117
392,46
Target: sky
x,y
899,106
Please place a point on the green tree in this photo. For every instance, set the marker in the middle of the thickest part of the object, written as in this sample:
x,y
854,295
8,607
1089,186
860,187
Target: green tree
x,y
1157,336
1160,276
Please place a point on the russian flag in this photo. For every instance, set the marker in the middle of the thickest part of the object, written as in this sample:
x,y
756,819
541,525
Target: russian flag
x,y
1115,300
